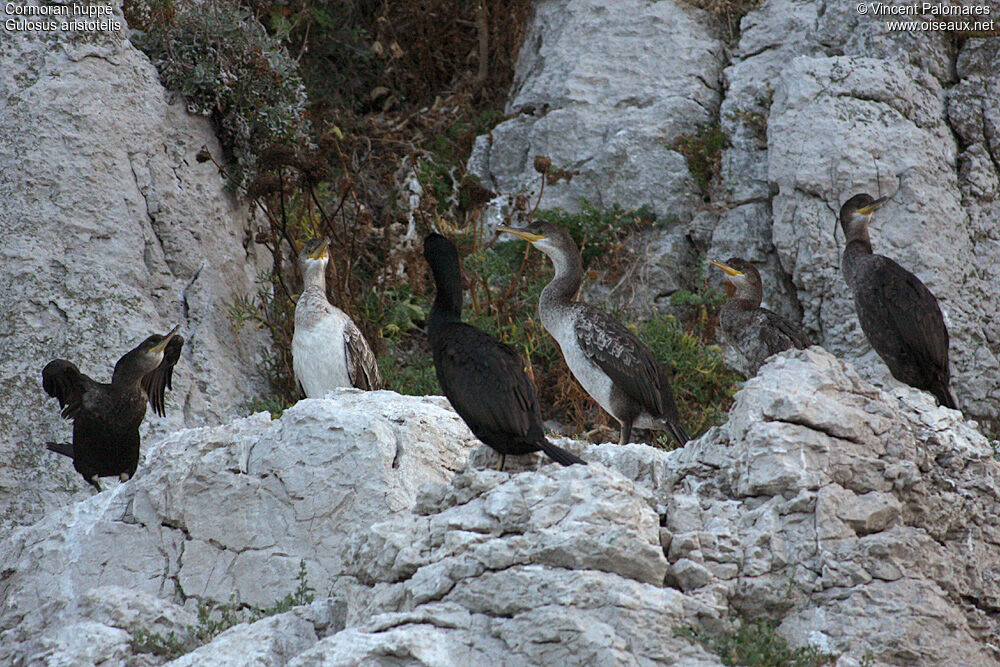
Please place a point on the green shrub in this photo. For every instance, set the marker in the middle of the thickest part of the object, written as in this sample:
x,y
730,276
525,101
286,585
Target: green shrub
x,y
703,152
228,68
703,387
757,644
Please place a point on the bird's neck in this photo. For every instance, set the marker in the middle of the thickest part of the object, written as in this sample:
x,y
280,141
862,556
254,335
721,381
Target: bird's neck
x,y
126,377
857,250
563,287
744,302
447,304
314,277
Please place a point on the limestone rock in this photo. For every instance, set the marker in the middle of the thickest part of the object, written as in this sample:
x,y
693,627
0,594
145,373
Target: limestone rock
x,y
604,89
228,508
112,231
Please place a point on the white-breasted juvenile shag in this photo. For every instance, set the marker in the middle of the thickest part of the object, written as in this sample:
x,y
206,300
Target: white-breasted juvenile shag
x,y
754,331
106,417
483,378
328,349
899,315
613,365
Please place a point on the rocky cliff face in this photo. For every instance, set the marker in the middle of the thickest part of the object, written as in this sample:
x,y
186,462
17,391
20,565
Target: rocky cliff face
x,y
111,231
817,103
865,520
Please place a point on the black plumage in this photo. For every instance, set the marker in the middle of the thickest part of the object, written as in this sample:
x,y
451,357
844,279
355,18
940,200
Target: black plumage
x,y
612,364
483,378
899,315
106,417
754,331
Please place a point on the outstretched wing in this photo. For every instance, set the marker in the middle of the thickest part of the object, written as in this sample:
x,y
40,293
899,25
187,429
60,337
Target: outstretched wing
x,y
362,368
155,382
63,381
620,354
485,382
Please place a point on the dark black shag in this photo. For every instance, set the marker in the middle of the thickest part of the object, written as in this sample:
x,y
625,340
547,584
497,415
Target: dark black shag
x,y
899,315
106,417
616,368
483,378
754,331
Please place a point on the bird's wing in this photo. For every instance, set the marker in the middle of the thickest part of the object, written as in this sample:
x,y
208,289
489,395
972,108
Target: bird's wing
x,y
485,381
779,334
63,381
362,367
155,382
620,354
915,314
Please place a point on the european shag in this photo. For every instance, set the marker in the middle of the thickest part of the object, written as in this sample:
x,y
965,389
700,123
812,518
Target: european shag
x,y
755,332
106,417
899,315
328,349
612,364
483,378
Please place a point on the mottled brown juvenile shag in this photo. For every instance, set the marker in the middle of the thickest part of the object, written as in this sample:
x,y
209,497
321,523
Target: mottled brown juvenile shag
x,y
755,332
483,378
899,315
609,361
106,417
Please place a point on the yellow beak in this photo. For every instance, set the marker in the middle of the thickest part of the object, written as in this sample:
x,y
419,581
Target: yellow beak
x,y
730,271
159,347
320,252
871,208
527,236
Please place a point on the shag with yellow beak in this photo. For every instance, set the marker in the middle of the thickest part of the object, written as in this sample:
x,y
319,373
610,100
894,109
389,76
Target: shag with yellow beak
x,y
899,315
609,361
106,417
755,332
328,349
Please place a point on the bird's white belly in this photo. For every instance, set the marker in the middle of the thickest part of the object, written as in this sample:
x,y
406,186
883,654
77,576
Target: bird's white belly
x,y
590,376
319,357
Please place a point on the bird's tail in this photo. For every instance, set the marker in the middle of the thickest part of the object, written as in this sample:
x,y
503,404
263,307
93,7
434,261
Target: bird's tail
x,y
680,435
64,448
944,396
671,416
558,454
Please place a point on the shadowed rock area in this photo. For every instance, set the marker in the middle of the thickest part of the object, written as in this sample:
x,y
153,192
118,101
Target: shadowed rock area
x,y
864,520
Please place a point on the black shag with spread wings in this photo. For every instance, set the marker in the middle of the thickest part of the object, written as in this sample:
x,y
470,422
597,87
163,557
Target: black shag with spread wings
x,y
899,315
483,378
106,417
754,331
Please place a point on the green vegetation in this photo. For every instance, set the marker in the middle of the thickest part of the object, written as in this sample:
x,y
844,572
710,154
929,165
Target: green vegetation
x,y
703,386
703,152
757,644
213,620
228,68
324,108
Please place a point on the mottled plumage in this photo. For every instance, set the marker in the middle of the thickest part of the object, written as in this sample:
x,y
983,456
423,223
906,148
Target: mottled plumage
x,y
899,315
106,417
754,331
328,349
611,363
483,378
